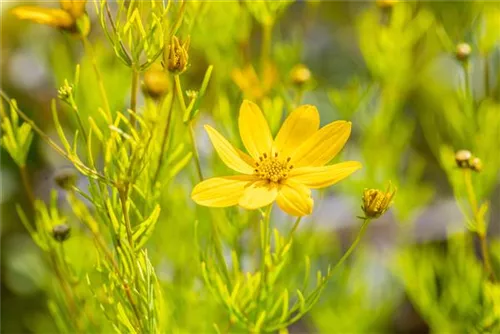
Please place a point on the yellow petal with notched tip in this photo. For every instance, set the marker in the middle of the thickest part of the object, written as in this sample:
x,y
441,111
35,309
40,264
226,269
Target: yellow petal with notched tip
x,y
301,124
50,16
320,177
231,156
221,191
295,199
323,146
254,130
257,195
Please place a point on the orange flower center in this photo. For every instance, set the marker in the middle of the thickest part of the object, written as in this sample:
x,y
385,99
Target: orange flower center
x,y
272,168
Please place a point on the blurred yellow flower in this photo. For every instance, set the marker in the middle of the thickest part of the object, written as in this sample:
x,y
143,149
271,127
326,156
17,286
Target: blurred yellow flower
x,y
249,83
283,170
64,18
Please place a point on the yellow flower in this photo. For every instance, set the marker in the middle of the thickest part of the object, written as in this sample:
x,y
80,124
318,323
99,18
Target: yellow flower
x,y
251,85
64,18
283,170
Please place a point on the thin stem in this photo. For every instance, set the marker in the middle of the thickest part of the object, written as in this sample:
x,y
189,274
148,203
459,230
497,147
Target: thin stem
x,y
78,118
123,199
481,230
265,247
133,96
470,191
265,50
469,97
360,235
486,76
178,88
70,299
102,90
166,133
486,256
26,184
195,151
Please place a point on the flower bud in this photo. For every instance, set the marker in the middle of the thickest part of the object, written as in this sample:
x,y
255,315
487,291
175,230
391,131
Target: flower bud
x,y
377,202
66,179
463,51
463,158
300,75
176,59
156,82
476,164
61,232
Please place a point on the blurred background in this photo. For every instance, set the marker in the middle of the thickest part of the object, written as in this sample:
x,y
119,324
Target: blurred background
x,y
392,68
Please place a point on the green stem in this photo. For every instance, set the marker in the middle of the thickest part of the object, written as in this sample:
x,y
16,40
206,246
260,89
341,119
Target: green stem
x,y
166,133
195,151
27,185
123,199
265,51
133,96
78,118
265,249
469,97
486,76
481,232
178,88
102,90
360,235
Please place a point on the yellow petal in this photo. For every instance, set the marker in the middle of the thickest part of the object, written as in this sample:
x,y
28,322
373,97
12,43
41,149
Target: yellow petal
x,y
323,146
75,8
50,16
257,195
302,123
320,177
232,157
295,199
254,130
221,191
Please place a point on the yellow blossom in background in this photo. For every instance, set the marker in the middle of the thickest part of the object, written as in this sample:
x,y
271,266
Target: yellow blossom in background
x,y
64,18
249,83
284,169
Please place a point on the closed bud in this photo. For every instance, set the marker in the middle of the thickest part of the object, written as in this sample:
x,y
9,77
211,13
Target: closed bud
x,y
66,179
463,51
463,158
300,75
377,202
156,82
61,232
476,164
177,57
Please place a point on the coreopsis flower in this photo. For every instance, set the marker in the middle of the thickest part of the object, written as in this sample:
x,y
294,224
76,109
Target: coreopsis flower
x,y
377,202
64,18
284,169
251,85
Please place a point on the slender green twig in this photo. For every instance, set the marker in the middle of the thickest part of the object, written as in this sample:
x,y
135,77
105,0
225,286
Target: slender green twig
x,y
102,90
481,232
133,96
166,133
27,184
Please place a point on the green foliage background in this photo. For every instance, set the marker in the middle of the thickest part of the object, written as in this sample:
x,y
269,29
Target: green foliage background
x,y
390,69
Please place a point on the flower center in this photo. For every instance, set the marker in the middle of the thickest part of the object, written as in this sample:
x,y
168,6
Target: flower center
x,y
272,168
